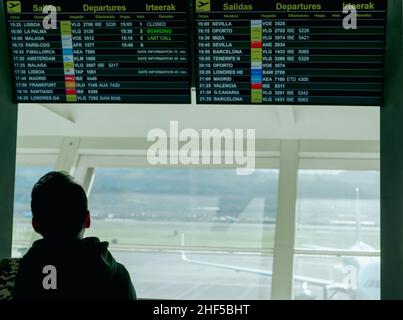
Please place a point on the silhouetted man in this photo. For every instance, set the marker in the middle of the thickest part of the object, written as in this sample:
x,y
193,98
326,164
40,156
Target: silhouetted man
x,y
63,265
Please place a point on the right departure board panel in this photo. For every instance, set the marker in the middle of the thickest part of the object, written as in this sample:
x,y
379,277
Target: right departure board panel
x,y
289,52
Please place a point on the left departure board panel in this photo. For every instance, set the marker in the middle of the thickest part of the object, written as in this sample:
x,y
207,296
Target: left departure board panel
x,y
120,51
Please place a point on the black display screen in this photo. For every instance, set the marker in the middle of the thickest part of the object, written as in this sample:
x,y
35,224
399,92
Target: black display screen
x,y
127,51
289,52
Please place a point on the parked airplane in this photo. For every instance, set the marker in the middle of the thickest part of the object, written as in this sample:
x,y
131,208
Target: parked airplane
x,y
362,281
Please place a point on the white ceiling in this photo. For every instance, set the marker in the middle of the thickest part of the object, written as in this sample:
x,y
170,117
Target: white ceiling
x,y
270,122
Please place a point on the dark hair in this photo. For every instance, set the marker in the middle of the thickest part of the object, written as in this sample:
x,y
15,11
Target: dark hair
x,y
58,205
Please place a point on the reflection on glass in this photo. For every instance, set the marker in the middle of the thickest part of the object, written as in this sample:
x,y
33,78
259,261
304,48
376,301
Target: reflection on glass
x,y
338,210
213,208
173,214
338,278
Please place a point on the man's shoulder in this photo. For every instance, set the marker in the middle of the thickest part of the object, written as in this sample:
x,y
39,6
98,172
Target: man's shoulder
x,y
123,284
121,272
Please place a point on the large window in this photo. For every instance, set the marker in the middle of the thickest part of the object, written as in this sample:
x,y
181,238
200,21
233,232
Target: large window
x,y
189,233
209,234
338,213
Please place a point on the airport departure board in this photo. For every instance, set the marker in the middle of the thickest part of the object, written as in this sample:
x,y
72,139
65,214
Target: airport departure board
x,y
289,52
118,51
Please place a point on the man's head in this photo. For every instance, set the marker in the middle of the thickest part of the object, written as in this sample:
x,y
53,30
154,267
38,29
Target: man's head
x,y
59,207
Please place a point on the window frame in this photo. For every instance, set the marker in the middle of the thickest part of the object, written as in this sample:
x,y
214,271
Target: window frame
x,y
312,154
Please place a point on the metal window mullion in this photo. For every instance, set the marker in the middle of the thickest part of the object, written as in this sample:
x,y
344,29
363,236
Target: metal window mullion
x,y
68,156
284,243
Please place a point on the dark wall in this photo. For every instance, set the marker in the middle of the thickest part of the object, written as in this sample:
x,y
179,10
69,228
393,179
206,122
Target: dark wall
x,y
392,160
8,133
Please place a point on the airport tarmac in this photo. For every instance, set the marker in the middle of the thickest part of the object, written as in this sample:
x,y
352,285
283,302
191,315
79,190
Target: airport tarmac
x,y
165,275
